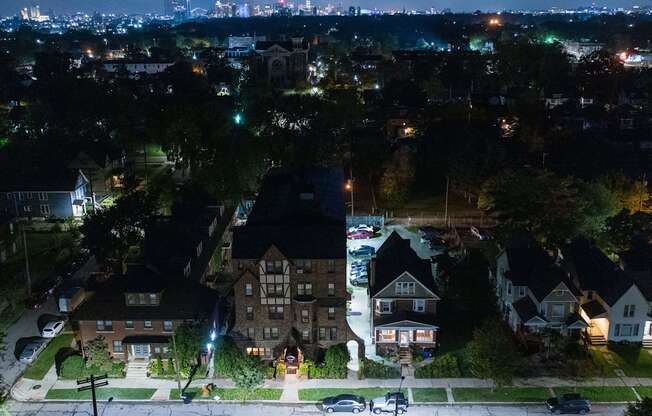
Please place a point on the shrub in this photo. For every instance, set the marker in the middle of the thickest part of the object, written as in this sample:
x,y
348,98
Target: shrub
x,y
249,375
304,368
157,367
335,361
269,372
444,366
280,370
374,369
227,357
72,367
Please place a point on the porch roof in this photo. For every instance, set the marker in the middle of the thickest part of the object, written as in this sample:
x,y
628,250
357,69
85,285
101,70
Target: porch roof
x,y
528,312
146,339
575,321
405,319
593,309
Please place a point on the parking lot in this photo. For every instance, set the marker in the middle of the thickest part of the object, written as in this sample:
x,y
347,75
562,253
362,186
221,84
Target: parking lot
x,y
359,314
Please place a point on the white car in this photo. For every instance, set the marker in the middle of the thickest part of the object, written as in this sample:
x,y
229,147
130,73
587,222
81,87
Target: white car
x,y
52,329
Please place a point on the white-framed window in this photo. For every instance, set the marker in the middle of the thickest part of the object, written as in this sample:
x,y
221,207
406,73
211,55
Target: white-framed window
x,y
557,310
629,311
249,313
521,290
405,288
331,313
147,324
131,298
42,196
423,335
273,267
251,333
385,306
167,326
305,316
249,290
331,289
305,335
304,289
270,333
386,335
153,299
117,346
419,305
27,208
129,324
104,325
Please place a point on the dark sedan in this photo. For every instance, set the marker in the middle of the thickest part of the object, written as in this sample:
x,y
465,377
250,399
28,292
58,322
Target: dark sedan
x,y
344,403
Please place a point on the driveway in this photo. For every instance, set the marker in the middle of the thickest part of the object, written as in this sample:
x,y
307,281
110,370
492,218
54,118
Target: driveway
x,y
359,314
218,408
28,326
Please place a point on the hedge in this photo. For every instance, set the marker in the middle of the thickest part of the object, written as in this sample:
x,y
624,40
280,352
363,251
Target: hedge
x,y
444,366
374,369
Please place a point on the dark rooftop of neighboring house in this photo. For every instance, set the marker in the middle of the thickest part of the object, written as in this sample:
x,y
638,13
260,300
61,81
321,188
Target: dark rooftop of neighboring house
x,y
394,258
180,299
526,309
545,280
525,257
41,181
300,212
593,308
595,271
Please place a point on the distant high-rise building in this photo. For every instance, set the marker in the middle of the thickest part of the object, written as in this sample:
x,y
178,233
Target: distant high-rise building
x,y
176,8
35,12
308,6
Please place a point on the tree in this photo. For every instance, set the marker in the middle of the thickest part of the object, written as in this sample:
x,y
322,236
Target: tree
x,y
640,408
492,352
97,355
227,357
250,374
397,177
189,341
110,233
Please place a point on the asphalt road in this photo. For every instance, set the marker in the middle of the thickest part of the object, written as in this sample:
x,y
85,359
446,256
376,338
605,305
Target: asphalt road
x,y
209,409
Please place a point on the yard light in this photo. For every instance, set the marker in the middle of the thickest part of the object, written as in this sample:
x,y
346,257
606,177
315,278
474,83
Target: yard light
x,y
238,119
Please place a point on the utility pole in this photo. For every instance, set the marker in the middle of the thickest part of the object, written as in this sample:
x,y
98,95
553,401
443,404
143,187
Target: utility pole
x,y
92,386
351,181
446,203
27,274
176,363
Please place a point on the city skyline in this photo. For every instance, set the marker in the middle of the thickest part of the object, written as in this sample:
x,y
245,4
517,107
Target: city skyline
x,y
12,7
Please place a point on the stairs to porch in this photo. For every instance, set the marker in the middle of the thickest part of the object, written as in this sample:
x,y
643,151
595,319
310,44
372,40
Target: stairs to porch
x,y
137,369
647,343
597,339
405,356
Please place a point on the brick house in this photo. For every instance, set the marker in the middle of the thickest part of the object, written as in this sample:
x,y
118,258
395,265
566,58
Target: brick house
x,y
291,260
403,299
139,312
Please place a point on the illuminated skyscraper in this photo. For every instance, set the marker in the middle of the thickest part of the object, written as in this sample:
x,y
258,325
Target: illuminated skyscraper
x,y
177,8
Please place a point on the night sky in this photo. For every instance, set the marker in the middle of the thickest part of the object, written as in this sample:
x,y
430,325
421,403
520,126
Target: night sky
x,y
10,7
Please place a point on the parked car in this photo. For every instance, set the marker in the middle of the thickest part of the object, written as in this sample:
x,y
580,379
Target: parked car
x,y
36,300
32,350
429,231
70,298
363,251
362,227
569,403
52,329
359,235
390,402
438,246
344,403
359,280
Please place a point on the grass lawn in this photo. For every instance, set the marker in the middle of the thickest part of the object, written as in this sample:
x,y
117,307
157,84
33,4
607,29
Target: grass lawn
x,y
634,360
103,393
317,395
230,394
601,394
644,391
45,360
430,395
501,394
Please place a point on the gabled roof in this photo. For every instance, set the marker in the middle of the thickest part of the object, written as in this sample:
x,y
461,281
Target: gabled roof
x,y
43,181
180,299
593,270
405,318
544,281
525,257
527,310
575,321
396,257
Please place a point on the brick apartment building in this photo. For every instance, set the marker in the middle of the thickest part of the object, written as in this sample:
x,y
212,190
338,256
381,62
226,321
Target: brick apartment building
x,y
291,260
137,314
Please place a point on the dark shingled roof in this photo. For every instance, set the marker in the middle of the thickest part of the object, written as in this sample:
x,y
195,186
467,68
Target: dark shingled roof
x,y
525,257
543,281
526,309
180,299
395,257
593,270
398,316
593,308
300,212
63,180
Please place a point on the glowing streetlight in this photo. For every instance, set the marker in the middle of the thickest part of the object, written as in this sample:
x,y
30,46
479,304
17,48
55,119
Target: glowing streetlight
x,y
238,119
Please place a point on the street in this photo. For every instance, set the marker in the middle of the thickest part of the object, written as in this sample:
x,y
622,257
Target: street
x,y
204,408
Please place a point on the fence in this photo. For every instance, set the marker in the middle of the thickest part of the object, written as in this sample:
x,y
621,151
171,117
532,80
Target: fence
x,y
372,220
476,221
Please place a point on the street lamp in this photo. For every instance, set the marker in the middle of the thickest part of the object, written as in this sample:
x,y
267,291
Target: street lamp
x,y
238,119
349,187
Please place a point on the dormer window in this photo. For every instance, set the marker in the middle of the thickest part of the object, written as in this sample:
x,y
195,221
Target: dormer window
x,y
143,299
